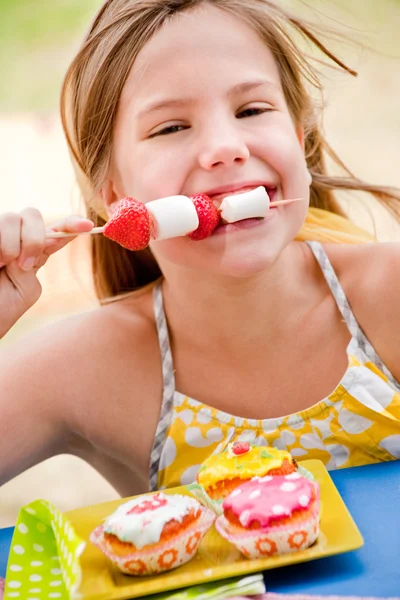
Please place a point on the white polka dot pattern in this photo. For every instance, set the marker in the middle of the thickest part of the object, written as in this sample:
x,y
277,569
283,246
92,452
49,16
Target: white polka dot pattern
x,y
45,553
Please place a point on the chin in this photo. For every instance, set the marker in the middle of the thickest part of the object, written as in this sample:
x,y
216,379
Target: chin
x,y
246,265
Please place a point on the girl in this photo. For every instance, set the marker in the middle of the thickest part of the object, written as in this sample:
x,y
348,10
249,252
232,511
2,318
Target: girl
x,y
251,334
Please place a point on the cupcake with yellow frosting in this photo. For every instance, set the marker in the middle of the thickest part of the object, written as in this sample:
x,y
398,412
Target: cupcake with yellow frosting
x,y
153,533
221,473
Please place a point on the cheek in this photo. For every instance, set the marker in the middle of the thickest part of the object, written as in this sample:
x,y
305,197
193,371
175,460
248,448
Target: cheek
x,y
282,150
150,173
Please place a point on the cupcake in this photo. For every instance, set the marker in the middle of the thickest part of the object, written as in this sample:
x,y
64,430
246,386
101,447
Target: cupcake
x,y
271,515
153,533
221,473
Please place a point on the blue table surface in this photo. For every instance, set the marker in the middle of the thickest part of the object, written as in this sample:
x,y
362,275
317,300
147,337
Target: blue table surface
x,y
372,494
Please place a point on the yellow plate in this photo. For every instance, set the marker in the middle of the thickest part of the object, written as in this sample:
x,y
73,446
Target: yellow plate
x,y
216,558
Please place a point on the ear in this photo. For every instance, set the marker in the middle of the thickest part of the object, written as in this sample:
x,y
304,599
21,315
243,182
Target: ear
x,y
108,196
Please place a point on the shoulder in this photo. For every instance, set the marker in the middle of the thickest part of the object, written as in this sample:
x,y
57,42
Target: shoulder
x,y
370,277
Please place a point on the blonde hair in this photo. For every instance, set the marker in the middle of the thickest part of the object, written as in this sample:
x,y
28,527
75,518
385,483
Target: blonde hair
x,y
93,86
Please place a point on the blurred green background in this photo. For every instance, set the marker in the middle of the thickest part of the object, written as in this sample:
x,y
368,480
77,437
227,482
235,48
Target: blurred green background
x,y
38,38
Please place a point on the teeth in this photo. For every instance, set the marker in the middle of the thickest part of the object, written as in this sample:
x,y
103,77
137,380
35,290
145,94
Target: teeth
x,y
245,206
173,216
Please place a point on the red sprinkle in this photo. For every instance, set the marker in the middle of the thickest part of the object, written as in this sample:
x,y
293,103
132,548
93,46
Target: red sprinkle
x,y
152,503
240,448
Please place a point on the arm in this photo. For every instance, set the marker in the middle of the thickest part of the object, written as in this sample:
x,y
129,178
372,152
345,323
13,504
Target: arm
x,y
31,426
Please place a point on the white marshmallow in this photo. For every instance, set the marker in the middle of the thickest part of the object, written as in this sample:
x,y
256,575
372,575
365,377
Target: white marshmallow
x,y
245,206
172,217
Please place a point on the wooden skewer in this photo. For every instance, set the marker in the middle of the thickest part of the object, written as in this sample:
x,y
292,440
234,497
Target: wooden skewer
x,y
53,235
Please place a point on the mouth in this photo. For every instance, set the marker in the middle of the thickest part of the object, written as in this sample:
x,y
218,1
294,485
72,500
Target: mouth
x,y
217,195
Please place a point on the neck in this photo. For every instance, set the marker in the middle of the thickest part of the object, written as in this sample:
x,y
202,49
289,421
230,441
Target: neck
x,y
221,310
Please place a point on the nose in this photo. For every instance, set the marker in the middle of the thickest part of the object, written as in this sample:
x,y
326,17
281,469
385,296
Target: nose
x,y
224,145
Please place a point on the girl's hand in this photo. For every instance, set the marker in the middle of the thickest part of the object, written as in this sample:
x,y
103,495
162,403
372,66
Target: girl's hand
x,y
23,250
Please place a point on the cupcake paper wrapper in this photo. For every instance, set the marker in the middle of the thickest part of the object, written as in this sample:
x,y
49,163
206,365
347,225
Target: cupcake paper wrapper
x,y
258,543
198,491
162,557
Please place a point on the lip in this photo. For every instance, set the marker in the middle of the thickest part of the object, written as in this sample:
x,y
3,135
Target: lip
x,y
229,228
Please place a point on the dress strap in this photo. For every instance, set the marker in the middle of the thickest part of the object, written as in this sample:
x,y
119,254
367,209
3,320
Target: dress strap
x,y
346,312
168,386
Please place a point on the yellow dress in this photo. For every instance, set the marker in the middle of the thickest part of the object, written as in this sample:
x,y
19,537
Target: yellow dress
x,y
357,424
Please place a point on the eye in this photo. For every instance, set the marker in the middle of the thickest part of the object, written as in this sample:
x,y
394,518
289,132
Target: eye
x,y
168,130
252,112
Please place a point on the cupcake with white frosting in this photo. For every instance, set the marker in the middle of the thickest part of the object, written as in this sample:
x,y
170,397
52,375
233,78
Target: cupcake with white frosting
x,y
153,533
271,515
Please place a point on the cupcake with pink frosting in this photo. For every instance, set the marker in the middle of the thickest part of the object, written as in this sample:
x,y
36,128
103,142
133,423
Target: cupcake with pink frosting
x,y
271,515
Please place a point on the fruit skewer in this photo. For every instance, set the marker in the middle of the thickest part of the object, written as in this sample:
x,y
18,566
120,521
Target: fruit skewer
x,y
133,223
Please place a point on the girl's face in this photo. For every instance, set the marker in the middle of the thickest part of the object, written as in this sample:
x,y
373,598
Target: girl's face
x,y
203,111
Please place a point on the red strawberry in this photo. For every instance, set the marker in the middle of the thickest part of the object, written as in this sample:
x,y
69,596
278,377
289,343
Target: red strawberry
x,y
129,225
208,215
240,448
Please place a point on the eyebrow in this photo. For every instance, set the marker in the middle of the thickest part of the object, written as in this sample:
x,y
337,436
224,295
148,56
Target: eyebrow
x,y
237,89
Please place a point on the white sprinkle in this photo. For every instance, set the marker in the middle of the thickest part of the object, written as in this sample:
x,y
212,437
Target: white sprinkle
x,y
14,584
55,571
244,517
55,583
304,500
288,487
255,494
293,476
22,528
278,509
38,548
15,568
236,492
36,563
266,478
19,550
35,578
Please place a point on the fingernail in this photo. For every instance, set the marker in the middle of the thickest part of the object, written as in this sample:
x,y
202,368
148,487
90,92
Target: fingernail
x,y
28,264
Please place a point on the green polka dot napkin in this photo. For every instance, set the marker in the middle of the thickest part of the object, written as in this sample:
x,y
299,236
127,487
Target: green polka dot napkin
x,y
250,585
44,556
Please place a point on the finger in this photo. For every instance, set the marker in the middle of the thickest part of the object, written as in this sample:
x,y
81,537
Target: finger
x,y
10,237
33,238
25,283
71,224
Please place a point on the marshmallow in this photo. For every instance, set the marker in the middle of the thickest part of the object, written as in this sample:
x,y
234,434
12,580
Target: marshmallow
x,y
173,216
245,206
